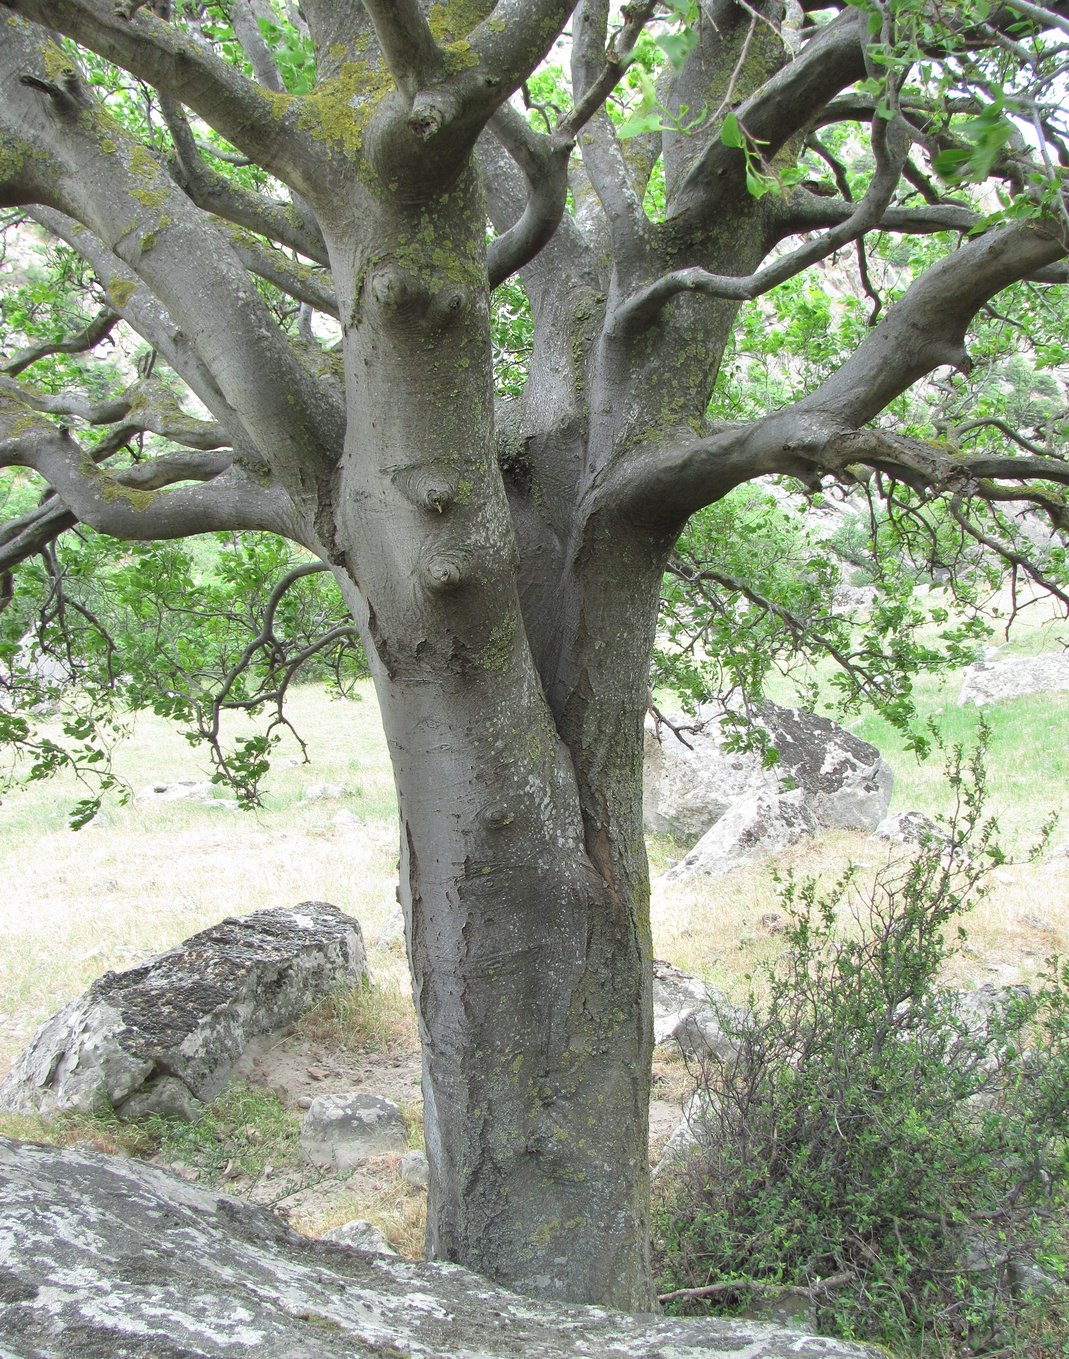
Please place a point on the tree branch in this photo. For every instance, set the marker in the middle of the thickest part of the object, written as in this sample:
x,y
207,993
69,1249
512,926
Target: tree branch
x,y
831,59
131,504
544,163
141,311
617,58
283,222
408,46
889,146
603,157
176,65
98,329
137,210
927,327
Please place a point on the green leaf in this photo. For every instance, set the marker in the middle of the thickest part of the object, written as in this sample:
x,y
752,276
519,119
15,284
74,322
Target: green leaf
x,y
731,132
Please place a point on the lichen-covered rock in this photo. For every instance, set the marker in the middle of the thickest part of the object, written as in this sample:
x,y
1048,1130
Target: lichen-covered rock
x,y
415,1169
750,830
165,1036
689,1013
342,1131
361,1235
690,783
105,1258
992,681
910,828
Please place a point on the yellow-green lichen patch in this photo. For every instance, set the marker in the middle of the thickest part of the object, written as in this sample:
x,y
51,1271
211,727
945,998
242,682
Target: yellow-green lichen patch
x,y
151,198
338,111
13,158
497,653
120,291
151,238
142,162
109,147
113,491
56,62
456,18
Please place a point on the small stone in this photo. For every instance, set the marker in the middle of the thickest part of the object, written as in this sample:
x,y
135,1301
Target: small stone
x,y
343,1131
415,1170
360,1235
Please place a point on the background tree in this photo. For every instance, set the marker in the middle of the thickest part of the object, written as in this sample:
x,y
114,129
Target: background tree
x,y
229,172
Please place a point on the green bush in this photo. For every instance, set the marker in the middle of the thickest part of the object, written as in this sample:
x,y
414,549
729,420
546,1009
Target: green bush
x,y
894,1156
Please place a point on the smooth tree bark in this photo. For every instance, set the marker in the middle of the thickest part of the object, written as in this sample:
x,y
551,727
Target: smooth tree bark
x,y
503,566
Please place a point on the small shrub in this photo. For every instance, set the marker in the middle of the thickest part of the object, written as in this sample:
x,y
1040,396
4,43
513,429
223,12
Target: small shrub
x,y
897,1156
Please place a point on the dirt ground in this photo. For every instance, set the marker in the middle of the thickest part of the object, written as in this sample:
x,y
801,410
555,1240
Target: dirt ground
x,y
298,1069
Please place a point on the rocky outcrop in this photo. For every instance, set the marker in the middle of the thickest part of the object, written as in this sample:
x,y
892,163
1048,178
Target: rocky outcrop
x,y
106,1258
692,781
992,681
165,1036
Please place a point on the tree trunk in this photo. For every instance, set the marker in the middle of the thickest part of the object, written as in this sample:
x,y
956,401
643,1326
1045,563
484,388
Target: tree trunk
x,y
530,954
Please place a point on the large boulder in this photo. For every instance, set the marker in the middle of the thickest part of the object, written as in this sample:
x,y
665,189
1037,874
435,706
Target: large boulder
x,y
690,781
164,1037
105,1258
992,681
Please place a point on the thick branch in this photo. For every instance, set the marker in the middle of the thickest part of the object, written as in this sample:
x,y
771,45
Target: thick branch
x,y
927,327
603,157
544,162
141,311
282,222
411,54
830,61
24,537
129,504
289,276
639,309
177,65
135,208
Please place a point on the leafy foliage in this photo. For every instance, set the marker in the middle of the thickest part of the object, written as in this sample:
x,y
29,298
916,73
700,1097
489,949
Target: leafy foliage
x,y
189,632
894,1154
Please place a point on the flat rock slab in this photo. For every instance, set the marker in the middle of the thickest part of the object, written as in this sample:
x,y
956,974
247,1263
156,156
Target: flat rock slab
x,y
165,1036
996,681
106,1258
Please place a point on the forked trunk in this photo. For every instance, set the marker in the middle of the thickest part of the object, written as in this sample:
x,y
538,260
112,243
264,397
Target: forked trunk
x,y
530,953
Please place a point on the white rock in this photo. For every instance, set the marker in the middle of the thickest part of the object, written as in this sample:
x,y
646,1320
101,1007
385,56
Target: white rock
x,y
993,681
415,1170
105,1256
165,1035
687,787
361,1235
749,831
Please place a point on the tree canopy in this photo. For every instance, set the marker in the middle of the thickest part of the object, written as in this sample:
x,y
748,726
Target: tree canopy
x,y
291,242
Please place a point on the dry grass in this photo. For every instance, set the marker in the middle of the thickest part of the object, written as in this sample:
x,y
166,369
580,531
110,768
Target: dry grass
x,y
396,1208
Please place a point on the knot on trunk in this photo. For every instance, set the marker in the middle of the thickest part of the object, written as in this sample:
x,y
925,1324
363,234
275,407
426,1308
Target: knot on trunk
x,y
444,572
